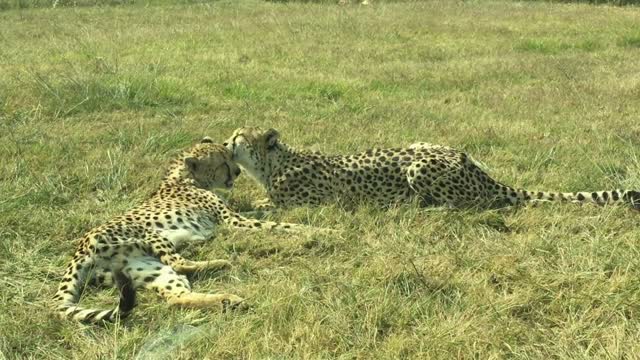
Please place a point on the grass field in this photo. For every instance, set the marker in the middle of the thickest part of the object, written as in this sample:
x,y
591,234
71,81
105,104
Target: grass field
x,y
95,100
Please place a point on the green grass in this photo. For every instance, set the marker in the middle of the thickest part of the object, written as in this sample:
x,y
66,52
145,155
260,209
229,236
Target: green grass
x,y
95,100
595,2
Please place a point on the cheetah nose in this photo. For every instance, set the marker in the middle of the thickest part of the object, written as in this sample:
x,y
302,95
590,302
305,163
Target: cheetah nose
x,y
238,172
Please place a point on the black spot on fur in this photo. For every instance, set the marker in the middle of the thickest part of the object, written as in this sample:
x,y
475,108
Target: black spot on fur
x,y
90,316
615,196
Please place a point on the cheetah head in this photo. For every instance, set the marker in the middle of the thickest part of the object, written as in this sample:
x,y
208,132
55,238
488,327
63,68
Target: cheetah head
x,y
254,149
210,165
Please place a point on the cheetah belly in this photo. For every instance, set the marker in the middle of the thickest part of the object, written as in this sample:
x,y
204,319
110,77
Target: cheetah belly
x,y
117,256
203,230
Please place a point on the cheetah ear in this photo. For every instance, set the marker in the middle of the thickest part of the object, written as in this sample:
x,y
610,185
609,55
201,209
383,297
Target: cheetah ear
x,y
192,164
206,140
271,138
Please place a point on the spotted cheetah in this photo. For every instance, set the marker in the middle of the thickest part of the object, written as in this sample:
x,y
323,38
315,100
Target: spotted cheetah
x,y
138,249
432,174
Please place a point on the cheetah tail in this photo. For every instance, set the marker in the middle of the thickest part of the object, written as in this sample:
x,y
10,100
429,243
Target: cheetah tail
x,y
629,197
127,293
69,293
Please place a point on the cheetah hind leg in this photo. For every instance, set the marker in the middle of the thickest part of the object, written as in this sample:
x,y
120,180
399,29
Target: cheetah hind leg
x,y
188,266
447,188
148,272
163,248
223,302
102,278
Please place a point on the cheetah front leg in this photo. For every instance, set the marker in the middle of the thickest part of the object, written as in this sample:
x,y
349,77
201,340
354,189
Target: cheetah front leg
x,y
238,221
260,208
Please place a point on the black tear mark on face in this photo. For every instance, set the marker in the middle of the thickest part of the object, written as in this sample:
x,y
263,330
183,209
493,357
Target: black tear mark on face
x,y
233,144
192,164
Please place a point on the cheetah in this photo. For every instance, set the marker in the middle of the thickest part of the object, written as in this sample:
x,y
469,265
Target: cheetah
x,y
430,174
138,249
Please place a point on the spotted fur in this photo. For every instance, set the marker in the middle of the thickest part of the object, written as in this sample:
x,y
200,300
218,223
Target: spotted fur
x,y
139,247
433,174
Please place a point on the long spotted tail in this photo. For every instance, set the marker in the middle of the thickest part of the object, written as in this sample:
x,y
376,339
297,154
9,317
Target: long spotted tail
x,y
69,292
628,197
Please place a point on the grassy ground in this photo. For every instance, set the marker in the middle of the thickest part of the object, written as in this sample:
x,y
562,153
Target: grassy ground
x,y
95,100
